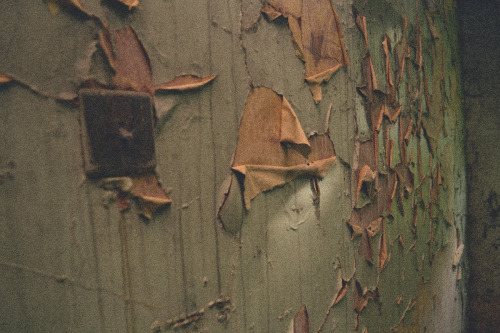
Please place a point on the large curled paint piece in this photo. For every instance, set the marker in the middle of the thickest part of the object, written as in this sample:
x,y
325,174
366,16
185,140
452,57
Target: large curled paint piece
x,y
317,37
272,148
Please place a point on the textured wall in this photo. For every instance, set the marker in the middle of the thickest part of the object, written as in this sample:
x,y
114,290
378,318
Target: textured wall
x,y
72,261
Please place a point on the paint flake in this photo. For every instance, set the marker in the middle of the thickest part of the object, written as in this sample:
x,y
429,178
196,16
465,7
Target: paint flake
x,y
272,148
300,323
382,257
390,90
149,194
318,42
132,66
144,188
363,296
377,183
402,52
55,5
185,82
5,78
129,3
128,58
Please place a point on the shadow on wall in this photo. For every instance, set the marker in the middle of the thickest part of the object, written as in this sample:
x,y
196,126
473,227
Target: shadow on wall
x,y
480,46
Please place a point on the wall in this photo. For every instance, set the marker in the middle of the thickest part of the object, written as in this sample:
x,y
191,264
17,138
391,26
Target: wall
x,y
73,259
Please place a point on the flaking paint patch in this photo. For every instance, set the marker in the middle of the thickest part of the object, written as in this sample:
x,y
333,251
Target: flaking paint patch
x,y
273,149
318,42
419,182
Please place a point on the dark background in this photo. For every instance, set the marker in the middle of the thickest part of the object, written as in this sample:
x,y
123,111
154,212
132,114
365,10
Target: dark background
x,y
480,50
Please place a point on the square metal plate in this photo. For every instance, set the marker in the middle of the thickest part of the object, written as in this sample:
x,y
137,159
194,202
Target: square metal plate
x,y
117,132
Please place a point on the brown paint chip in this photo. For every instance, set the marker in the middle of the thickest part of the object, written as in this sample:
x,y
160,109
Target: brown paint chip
x,y
402,52
377,184
272,148
132,66
149,194
144,188
363,296
318,42
361,23
300,322
365,182
390,90
133,70
382,257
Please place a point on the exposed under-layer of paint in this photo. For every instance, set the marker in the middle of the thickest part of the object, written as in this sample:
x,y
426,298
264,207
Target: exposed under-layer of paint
x,y
395,185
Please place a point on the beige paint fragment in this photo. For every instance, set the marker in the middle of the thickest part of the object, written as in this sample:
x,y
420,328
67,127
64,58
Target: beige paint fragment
x,y
55,5
317,37
457,256
401,240
291,130
185,82
272,147
145,188
370,85
132,67
374,227
122,184
130,3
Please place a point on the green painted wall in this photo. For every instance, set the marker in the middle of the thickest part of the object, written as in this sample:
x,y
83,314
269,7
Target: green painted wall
x,y
71,261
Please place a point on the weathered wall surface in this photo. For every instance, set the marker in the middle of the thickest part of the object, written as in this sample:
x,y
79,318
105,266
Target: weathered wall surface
x,y
480,48
72,261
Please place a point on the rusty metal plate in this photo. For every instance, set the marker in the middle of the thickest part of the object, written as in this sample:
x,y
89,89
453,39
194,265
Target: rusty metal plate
x,y
117,132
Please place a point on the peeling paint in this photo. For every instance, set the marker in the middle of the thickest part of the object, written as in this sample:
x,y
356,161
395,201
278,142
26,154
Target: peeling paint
x,y
318,42
395,184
